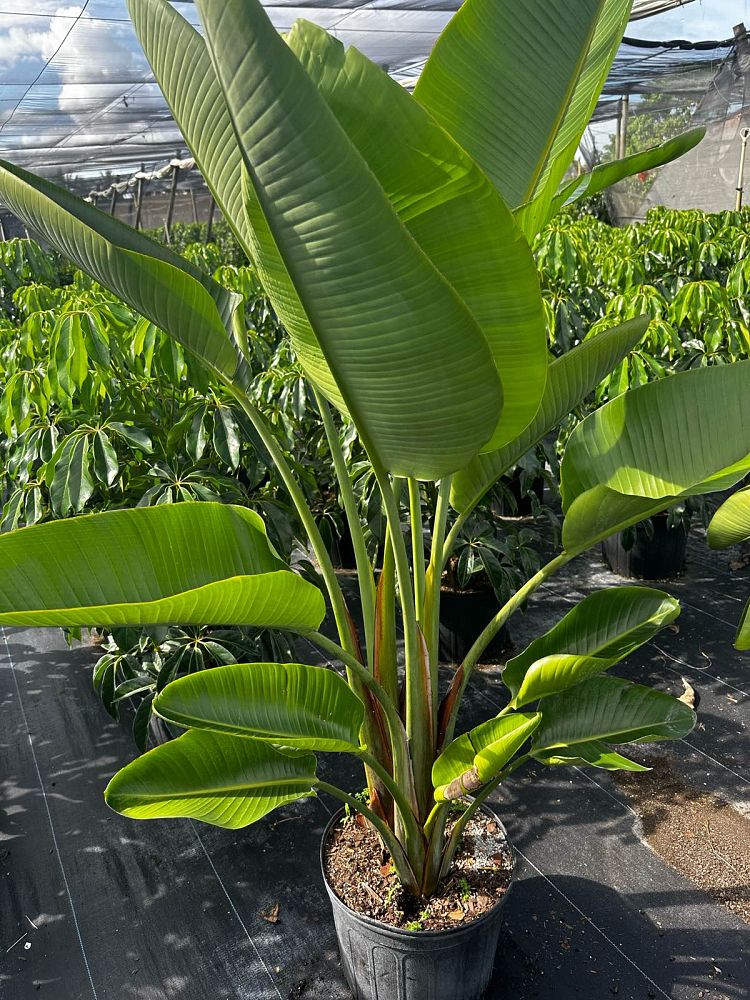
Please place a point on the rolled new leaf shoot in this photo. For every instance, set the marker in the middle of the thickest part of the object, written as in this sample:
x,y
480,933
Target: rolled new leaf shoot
x,y
478,756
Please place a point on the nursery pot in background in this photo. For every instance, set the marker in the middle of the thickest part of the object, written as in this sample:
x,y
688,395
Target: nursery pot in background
x,y
341,550
660,557
381,962
523,506
463,616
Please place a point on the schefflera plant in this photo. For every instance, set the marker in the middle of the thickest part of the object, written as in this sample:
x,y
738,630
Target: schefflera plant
x,y
391,231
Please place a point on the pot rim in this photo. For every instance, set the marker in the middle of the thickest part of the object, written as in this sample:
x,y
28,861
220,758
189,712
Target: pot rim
x,y
402,931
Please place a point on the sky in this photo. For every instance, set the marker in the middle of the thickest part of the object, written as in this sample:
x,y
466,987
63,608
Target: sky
x,y
105,53
701,20
697,21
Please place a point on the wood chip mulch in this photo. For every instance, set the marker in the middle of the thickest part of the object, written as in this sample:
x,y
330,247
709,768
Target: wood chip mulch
x,y
362,876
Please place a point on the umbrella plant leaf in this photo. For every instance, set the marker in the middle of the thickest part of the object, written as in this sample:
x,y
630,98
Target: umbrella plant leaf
x,y
404,350
71,485
612,710
187,563
450,208
286,703
167,289
603,628
106,465
682,436
570,379
211,777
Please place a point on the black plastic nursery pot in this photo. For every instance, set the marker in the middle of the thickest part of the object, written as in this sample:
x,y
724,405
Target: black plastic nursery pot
x,y
381,962
660,557
341,550
523,506
463,616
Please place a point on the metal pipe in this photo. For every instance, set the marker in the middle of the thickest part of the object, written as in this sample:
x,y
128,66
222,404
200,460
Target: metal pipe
x,y
139,199
113,199
210,226
170,209
622,127
745,136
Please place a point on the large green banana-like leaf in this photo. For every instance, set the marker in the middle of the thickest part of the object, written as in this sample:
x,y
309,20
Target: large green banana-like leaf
x,y
683,436
558,672
181,63
606,37
182,66
607,174
604,628
731,526
611,710
286,703
164,287
478,756
570,379
450,208
731,522
405,351
187,563
593,754
515,83
218,779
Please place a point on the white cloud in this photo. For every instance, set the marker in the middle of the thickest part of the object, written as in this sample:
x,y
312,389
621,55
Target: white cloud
x,y
24,37
84,81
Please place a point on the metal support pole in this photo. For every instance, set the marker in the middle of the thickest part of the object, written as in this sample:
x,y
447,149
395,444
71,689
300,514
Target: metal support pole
x,y
170,209
210,226
745,136
622,127
2,231
113,199
139,199
195,206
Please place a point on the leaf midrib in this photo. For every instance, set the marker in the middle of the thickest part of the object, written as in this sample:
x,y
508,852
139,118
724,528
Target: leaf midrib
x,y
199,793
245,732
565,107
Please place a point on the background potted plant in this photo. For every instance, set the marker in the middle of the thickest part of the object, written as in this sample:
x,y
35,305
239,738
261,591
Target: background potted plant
x,y
655,549
392,234
487,565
